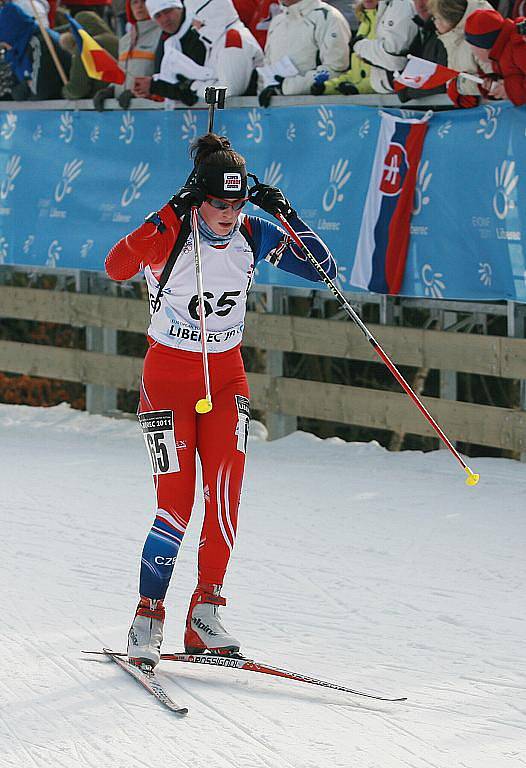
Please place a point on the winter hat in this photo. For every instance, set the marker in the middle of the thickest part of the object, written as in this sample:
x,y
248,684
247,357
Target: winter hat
x,y
156,6
483,27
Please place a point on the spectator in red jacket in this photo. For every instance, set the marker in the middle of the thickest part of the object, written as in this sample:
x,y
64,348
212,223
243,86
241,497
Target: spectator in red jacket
x,y
499,42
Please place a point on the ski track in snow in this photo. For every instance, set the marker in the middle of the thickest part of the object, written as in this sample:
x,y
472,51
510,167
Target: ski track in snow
x,y
379,571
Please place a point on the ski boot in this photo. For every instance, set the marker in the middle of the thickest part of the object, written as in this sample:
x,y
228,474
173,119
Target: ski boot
x,y
146,633
204,631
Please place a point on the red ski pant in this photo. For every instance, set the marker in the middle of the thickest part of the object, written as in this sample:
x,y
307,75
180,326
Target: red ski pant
x,y
173,381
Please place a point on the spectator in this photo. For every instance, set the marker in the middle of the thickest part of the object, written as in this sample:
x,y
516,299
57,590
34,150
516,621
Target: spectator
x,y
211,48
136,54
7,79
100,7
426,45
81,85
387,54
28,55
450,18
311,35
356,79
497,41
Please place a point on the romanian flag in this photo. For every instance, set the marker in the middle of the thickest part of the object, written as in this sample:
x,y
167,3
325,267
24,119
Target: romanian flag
x,y
420,73
381,252
98,63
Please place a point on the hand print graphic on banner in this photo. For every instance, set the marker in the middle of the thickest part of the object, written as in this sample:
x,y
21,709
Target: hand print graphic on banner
x,y
189,128
489,123
273,175
326,123
338,178
434,285
70,172
485,273
66,130
12,170
506,181
422,183
138,178
127,128
9,126
4,246
53,253
254,127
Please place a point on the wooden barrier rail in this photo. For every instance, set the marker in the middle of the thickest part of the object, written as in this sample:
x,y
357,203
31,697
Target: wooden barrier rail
x,y
487,355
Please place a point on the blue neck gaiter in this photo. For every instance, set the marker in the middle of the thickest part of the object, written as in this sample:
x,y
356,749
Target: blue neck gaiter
x,y
210,236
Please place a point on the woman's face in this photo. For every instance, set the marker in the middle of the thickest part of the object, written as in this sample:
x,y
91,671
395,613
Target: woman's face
x,y
221,222
139,10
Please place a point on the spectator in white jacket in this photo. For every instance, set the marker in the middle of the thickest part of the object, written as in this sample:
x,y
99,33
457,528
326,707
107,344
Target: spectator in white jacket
x,y
387,54
308,39
224,53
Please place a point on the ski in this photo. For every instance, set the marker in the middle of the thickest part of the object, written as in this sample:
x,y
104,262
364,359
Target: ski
x,y
237,661
148,680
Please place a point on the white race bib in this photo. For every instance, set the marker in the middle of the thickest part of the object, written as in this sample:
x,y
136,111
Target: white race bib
x,y
159,435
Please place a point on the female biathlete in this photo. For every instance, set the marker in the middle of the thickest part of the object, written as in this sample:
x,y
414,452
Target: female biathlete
x,y
232,244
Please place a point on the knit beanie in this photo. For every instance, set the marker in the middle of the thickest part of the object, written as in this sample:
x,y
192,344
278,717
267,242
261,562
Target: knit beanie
x,y
156,6
483,27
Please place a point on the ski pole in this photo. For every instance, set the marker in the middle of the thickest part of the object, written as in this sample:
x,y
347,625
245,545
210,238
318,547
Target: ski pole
x,y
205,404
213,96
472,477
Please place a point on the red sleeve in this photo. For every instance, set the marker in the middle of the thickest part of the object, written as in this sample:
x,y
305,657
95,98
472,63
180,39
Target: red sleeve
x,y
145,246
515,83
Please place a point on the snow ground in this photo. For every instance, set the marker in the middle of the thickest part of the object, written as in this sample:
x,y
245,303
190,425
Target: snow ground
x,y
378,570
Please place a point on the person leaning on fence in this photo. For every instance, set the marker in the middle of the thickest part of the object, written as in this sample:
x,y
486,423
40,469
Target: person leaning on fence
x,y
136,54
229,59
314,37
386,53
450,19
356,79
500,43
231,245
81,85
29,57
426,45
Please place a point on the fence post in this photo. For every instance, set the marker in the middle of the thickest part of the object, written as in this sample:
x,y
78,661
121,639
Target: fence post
x,y
516,329
99,399
278,424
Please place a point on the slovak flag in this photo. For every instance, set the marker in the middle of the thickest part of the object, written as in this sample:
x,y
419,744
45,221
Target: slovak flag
x,y
381,252
420,73
98,63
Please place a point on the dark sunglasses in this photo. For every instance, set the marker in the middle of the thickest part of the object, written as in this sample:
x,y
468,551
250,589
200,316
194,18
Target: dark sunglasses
x,y
222,205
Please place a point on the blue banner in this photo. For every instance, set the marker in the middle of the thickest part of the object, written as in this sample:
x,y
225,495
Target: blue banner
x,y
73,183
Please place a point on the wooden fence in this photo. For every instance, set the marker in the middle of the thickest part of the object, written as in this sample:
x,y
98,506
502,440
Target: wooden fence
x,y
468,353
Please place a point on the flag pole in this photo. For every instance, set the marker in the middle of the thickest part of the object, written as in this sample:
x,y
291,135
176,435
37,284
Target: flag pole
x,y
51,47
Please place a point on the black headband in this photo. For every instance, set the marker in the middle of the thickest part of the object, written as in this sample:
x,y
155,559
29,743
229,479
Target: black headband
x,y
228,180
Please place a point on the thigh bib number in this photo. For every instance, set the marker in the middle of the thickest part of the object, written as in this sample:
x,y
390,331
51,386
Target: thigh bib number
x,y
159,435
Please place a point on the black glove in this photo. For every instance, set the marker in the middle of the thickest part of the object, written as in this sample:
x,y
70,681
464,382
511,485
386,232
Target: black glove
x,y
317,89
188,196
265,97
125,98
348,89
184,91
270,199
100,97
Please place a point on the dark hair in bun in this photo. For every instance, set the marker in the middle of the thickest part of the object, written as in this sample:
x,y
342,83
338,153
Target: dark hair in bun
x,y
214,150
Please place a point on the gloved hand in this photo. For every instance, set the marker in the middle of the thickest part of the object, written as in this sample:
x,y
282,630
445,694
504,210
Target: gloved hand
x,y
188,196
265,97
184,91
459,99
270,199
347,88
125,98
100,97
318,86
